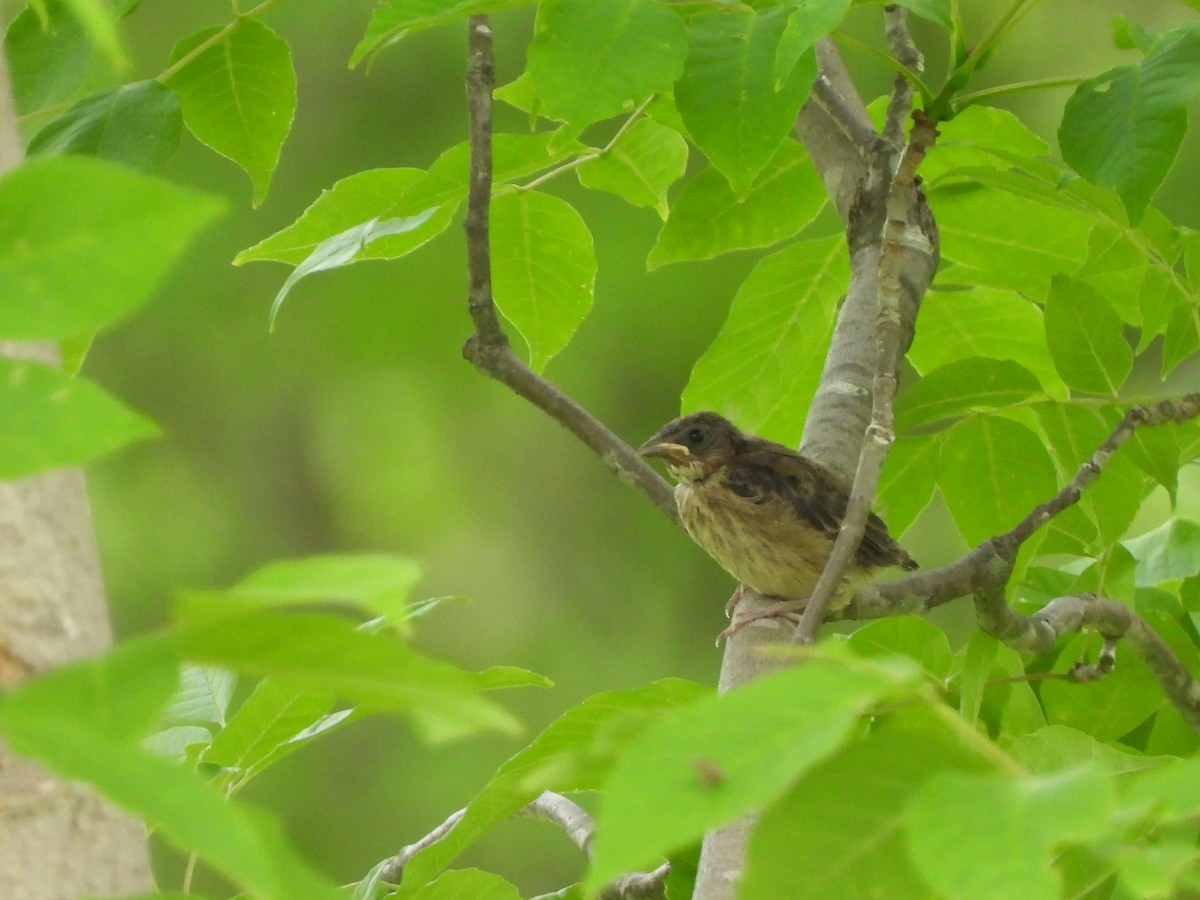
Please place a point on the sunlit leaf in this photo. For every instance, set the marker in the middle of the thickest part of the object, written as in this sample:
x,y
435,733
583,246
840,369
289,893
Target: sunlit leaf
x,y
393,19
237,90
1086,338
379,583
974,383
645,161
543,269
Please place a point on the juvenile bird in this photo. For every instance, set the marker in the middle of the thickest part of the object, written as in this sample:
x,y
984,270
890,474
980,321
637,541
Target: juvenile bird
x,y
766,514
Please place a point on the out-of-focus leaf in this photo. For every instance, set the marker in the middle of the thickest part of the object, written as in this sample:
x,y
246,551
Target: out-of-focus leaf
x,y
83,242
47,62
138,125
393,19
574,753
1169,552
48,420
203,696
1058,747
1018,824
237,90
722,757
909,636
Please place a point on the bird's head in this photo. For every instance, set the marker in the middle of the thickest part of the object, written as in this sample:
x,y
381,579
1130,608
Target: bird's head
x,y
694,446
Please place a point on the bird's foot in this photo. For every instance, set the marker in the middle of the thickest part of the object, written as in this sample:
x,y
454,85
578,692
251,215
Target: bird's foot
x,y
732,602
776,610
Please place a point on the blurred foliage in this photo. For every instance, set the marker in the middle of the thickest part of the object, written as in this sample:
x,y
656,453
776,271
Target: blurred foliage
x,y
356,426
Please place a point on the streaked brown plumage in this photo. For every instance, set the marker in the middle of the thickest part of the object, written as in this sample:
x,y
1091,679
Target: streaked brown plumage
x,y
766,514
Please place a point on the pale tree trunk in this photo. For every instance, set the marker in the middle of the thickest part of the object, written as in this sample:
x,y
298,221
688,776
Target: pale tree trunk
x,y
57,839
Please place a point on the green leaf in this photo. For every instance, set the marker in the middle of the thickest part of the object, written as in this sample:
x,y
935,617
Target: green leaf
x,y
137,124
49,419
1007,241
574,753
1016,826
757,738
1086,338
908,479
393,19
1106,709
979,656
379,583
395,193
1123,129
277,718
326,653
646,160
932,10
83,242
346,248
543,269
237,90
48,62
993,472
963,386
727,94
809,21
858,850
590,61
99,21
177,742
999,324
764,364
83,722
463,883
708,219
909,636
1169,552
203,696
1170,789
1057,747
980,136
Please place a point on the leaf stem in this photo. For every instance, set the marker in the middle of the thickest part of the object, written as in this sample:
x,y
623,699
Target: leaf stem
x,y
1018,87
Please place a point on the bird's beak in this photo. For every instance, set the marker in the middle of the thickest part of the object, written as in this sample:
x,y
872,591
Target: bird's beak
x,y
671,452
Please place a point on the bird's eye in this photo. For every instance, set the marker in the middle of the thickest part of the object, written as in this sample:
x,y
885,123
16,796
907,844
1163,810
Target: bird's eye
x,y
695,436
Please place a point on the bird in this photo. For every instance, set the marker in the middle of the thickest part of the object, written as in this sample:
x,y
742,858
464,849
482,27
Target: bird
x,y
768,515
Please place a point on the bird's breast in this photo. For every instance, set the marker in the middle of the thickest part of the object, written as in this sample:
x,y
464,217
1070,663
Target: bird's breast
x,y
760,544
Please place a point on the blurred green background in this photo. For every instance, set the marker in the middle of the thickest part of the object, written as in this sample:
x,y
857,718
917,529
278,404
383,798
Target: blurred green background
x,y
357,425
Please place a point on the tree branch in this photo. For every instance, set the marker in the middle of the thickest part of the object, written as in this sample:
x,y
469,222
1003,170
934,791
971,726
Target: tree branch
x,y
574,821
488,348
895,20
899,236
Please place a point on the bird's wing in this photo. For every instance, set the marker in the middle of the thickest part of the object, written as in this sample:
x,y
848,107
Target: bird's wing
x,y
767,473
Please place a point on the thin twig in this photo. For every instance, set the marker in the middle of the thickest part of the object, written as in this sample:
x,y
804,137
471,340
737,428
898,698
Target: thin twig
x,y
488,348
905,51
898,236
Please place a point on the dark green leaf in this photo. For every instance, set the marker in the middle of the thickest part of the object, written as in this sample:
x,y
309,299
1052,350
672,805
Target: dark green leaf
x,y
237,90
393,19
908,479
138,125
764,364
590,61
708,219
1122,129
727,94
48,62
48,419
1105,709
83,242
